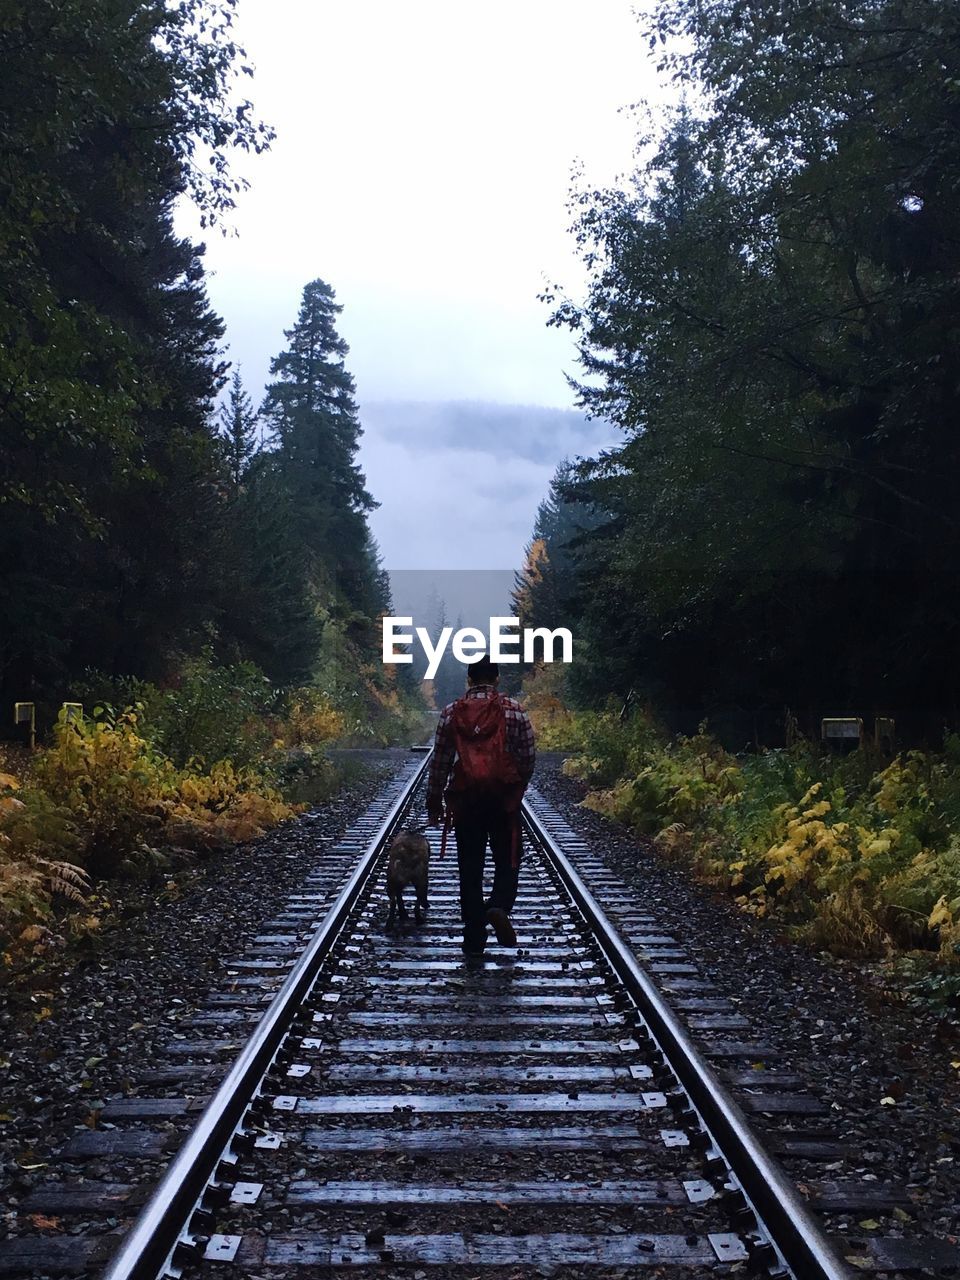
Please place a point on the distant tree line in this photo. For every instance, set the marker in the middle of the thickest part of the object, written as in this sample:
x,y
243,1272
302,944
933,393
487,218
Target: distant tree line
x,y
773,320
133,532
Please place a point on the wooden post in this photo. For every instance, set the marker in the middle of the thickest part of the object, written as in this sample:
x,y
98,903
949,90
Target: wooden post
x,y
885,734
25,718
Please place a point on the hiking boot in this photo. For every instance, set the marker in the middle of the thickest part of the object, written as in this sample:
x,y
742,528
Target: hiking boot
x,y
498,918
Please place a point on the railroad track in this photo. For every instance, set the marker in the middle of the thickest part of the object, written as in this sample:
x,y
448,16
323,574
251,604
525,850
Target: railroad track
x,y
399,1110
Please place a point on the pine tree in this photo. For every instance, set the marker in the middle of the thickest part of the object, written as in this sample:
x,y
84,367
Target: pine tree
x,y
772,319
109,361
543,588
239,421
268,606
311,410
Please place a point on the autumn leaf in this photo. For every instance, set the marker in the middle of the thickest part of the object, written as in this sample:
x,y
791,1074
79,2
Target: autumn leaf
x,y
42,1222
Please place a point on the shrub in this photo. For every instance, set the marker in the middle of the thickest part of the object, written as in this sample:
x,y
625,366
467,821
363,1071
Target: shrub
x,y
103,789
214,713
309,719
225,805
110,779
853,853
195,766
611,748
32,831
553,723
307,776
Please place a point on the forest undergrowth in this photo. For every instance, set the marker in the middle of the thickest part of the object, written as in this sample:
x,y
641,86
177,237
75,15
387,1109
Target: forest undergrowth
x,y
858,855
153,777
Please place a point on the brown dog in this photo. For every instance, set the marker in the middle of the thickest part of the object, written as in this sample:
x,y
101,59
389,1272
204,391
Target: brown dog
x,y
409,864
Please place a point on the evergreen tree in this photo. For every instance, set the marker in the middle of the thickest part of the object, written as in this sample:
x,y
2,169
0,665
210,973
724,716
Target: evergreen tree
x,y
544,588
772,320
311,409
268,607
108,348
239,421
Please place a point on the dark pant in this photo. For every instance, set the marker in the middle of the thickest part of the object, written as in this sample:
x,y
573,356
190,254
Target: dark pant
x,y
472,831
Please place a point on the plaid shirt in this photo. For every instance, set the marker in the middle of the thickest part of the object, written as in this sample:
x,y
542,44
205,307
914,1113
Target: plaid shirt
x,y
520,744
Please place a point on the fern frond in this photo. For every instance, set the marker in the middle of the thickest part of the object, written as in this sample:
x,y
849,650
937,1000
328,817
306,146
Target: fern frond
x,y
65,879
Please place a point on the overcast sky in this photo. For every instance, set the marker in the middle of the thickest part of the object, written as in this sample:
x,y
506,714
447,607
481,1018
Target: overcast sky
x,y
422,167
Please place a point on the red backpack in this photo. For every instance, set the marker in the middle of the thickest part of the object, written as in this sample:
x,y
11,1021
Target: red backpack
x,y
485,772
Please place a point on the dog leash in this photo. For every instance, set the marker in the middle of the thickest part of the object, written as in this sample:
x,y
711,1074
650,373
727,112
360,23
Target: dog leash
x,y
515,842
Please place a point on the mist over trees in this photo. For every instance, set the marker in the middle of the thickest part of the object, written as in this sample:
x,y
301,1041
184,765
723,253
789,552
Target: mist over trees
x,y
772,321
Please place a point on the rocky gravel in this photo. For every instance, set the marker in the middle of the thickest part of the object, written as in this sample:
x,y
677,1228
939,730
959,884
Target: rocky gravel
x,y
98,1015
888,1069
95,1015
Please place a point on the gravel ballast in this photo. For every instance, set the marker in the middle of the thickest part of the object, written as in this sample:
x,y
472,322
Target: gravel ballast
x,y
104,1007
885,1067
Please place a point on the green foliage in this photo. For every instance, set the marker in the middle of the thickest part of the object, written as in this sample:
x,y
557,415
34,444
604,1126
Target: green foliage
x,y
109,358
611,747
149,563
135,535
773,319
542,588
311,410
684,784
306,775
268,607
857,854
104,794
214,713
111,781
238,421
933,985
218,759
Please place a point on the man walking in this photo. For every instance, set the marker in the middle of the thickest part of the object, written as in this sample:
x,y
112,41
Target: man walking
x,y
485,741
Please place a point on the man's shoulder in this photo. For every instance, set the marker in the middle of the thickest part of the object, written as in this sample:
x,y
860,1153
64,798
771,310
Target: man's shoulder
x,y
511,704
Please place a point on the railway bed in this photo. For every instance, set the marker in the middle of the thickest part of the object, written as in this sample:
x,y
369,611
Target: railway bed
x,y
353,1102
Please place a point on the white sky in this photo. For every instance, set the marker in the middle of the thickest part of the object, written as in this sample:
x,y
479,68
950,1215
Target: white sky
x,y
422,167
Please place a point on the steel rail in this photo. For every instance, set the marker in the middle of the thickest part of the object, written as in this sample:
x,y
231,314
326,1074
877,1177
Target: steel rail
x,y
147,1250
792,1229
